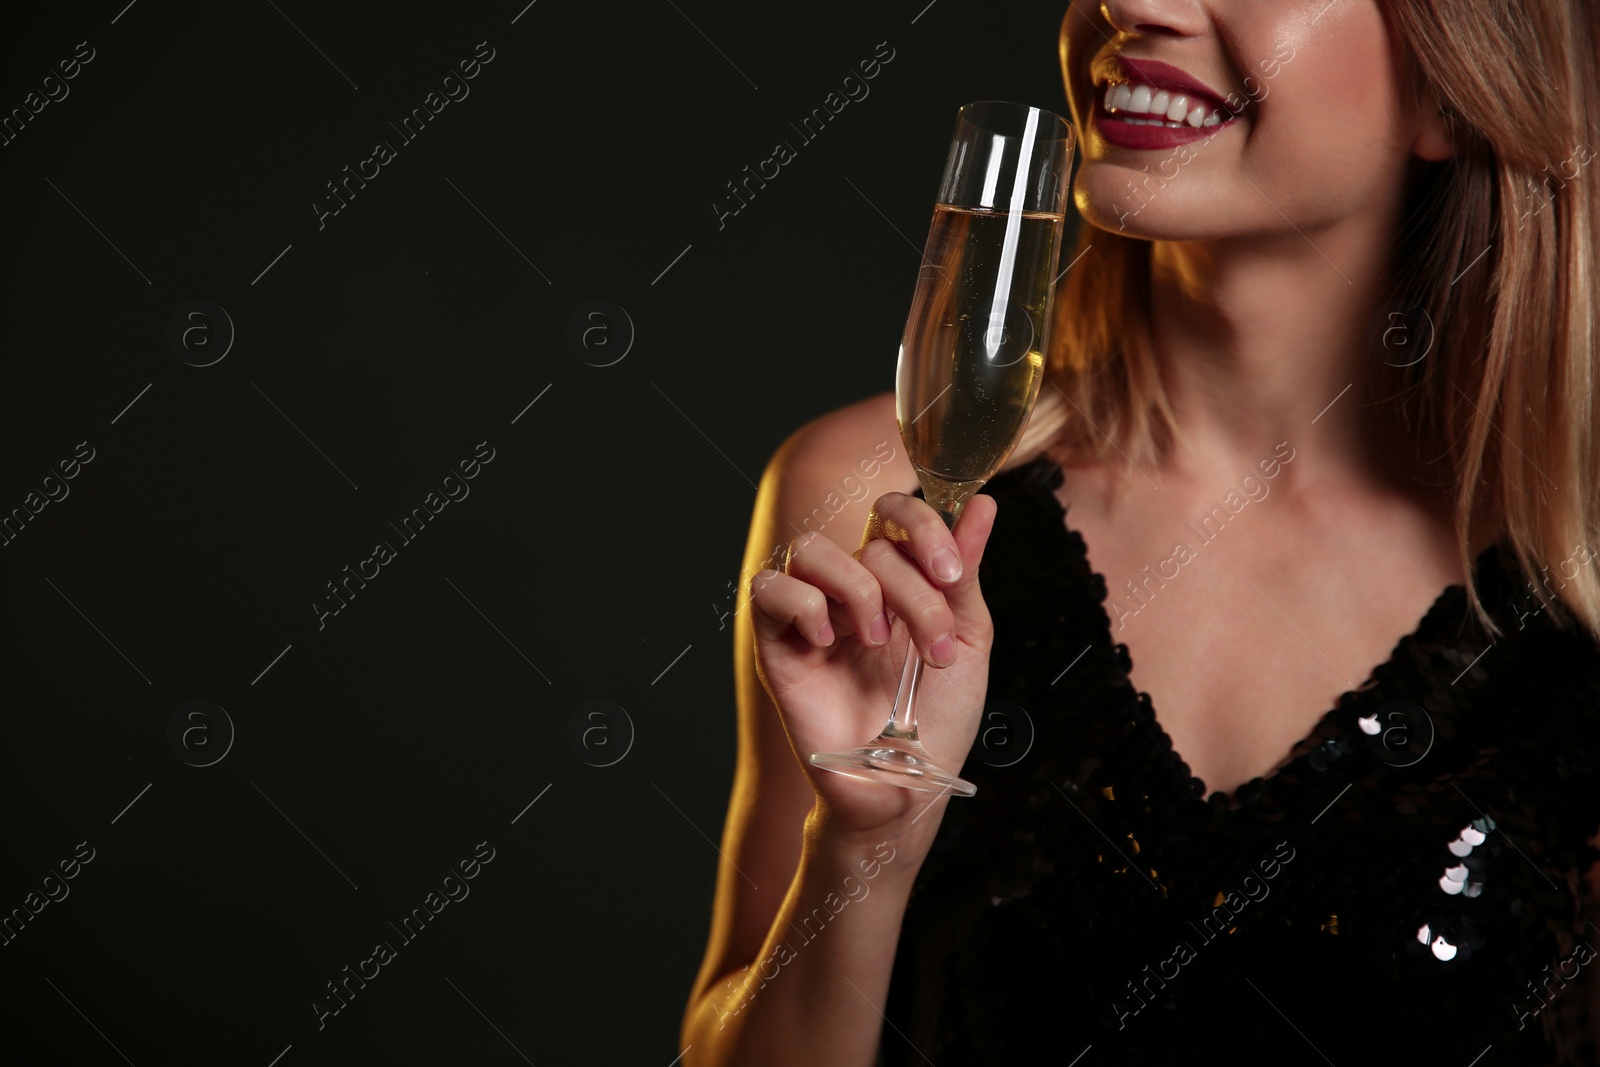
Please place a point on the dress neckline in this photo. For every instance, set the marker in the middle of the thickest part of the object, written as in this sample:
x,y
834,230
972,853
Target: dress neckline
x,y
1049,475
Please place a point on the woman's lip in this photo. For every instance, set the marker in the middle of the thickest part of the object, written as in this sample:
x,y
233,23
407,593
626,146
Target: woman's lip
x,y
1153,72
1127,135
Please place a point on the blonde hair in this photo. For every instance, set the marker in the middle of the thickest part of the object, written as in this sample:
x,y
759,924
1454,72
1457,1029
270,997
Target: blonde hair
x,y
1507,396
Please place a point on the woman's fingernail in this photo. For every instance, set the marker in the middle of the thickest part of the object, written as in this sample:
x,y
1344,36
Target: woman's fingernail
x,y
879,630
946,565
944,650
825,633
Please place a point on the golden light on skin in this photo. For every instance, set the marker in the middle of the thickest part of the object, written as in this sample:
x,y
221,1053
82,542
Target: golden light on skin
x,y
1325,125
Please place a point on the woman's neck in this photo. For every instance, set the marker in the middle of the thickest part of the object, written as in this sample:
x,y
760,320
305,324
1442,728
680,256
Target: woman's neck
x,y
1261,341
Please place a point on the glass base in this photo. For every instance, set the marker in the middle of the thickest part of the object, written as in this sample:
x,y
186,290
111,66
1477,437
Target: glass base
x,y
894,761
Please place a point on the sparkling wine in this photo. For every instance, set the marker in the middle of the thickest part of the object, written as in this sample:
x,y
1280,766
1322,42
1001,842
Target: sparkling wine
x,y
973,351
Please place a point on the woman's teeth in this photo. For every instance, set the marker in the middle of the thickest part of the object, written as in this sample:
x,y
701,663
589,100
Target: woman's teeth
x,y
1162,107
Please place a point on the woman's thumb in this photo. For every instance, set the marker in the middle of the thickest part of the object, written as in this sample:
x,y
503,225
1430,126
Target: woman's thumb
x,y
971,533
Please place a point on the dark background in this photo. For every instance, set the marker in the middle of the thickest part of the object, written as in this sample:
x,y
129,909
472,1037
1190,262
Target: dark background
x,y
591,560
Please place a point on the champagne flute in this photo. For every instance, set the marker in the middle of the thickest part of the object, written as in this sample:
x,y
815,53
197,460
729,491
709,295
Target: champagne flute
x,y
972,355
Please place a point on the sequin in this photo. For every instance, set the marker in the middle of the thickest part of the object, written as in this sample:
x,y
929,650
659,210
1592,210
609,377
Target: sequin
x,y
1030,937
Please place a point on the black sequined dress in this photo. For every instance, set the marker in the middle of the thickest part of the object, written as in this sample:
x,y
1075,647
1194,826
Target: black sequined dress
x,y
1404,890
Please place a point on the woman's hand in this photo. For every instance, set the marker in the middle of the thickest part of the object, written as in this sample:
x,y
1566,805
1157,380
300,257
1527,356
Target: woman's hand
x,y
826,657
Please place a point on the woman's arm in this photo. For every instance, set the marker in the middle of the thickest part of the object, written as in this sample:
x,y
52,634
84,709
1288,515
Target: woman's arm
x,y
814,991
776,983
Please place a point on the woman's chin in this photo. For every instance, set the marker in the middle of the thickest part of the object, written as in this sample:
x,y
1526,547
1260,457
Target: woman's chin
x,y
1134,220
1156,216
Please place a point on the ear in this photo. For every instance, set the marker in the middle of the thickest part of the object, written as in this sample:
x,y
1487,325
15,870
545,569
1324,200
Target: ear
x,y
1433,141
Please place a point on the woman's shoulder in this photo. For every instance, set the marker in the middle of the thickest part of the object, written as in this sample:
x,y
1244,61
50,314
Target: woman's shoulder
x,y
861,440
847,447
1553,670
825,475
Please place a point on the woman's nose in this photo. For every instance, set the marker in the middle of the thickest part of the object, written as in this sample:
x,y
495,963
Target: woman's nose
x,y
1146,18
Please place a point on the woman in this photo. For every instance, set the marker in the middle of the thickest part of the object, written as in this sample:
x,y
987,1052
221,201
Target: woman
x,y
1321,395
